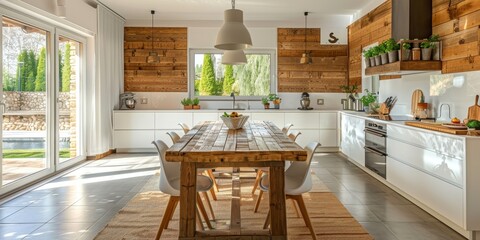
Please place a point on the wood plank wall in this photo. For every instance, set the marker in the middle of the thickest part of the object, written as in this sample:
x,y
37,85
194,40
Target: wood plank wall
x,y
327,72
374,27
170,75
458,22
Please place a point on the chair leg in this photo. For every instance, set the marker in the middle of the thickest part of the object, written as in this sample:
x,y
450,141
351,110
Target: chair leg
x,y
172,212
267,220
214,195
167,215
209,205
296,208
212,176
199,221
201,207
257,203
257,180
303,209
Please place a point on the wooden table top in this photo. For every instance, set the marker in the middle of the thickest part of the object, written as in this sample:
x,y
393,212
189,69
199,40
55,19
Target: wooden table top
x,y
257,141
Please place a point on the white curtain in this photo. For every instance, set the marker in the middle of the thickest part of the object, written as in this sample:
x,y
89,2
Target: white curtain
x,y
103,93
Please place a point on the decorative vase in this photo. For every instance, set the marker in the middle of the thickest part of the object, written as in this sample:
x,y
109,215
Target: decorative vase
x,y
392,56
426,54
384,57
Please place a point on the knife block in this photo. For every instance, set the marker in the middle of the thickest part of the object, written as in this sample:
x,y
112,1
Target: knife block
x,y
384,110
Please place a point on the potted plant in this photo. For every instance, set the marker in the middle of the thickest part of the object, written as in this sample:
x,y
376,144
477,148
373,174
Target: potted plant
x,y
187,103
426,47
376,54
392,47
367,54
265,103
435,41
383,53
405,51
196,103
367,99
275,99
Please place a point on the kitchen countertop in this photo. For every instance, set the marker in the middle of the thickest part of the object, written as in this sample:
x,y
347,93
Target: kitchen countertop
x,y
229,110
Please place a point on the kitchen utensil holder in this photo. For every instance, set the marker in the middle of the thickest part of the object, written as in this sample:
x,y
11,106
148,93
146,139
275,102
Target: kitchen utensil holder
x,y
384,110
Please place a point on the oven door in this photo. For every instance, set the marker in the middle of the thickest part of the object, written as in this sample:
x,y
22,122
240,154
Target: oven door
x,y
376,140
376,161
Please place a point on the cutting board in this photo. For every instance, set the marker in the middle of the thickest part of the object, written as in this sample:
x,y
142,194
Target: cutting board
x,y
416,98
437,127
474,111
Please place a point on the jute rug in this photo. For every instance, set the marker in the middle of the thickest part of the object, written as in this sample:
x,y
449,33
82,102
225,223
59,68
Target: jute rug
x,y
140,218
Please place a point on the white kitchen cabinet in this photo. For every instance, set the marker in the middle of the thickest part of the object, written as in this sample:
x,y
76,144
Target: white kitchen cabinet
x,y
303,120
200,117
275,117
307,136
162,135
328,120
328,138
133,139
166,120
438,195
132,120
353,138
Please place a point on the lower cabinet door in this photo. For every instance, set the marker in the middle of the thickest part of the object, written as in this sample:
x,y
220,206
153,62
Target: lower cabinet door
x,y
328,138
307,136
442,197
133,138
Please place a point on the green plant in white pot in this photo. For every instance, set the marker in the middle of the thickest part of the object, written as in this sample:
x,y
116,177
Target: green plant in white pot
x,y
367,99
427,48
435,41
406,50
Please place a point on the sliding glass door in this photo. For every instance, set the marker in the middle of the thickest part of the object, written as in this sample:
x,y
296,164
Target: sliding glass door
x,y
24,102
41,96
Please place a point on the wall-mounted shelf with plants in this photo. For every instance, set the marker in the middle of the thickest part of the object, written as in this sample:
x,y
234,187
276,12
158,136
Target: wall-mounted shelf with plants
x,y
404,57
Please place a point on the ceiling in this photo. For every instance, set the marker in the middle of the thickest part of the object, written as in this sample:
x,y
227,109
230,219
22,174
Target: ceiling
x,y
254,10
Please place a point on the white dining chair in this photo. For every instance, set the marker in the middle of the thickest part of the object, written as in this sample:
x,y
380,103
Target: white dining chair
x,y
175,137
185,127
292,136
286,128
298,180
170,184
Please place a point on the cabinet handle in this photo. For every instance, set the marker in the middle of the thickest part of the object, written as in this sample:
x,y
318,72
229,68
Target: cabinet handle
x,y
374,133
375,151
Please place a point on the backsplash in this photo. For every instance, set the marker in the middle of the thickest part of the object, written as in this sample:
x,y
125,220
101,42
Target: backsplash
x,y
456,90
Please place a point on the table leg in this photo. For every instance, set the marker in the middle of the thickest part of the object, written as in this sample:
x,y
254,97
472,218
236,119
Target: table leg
x,y
188,195
278,213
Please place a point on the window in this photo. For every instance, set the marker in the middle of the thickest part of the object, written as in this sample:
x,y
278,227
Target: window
x,y
210,79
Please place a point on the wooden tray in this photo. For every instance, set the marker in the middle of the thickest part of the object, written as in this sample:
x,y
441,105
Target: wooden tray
x,y
437,127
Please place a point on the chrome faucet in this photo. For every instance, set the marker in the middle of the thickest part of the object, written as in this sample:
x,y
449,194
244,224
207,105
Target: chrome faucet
x,y
233,95
440,110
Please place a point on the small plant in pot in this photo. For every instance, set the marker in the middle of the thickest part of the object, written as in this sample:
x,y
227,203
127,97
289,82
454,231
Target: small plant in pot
x,y
367,54
367,99
406,51
392,47
435,41
376,55
275,99
196,103
383,53
187,103
266,103
427,48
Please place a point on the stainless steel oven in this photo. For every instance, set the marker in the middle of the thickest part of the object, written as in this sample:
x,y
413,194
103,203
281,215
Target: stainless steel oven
x,y
376,147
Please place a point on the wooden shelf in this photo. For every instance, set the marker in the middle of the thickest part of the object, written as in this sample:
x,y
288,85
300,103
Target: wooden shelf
x,y
404,68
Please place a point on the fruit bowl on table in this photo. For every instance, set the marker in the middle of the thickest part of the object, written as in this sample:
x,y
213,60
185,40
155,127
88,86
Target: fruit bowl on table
x,y
234,122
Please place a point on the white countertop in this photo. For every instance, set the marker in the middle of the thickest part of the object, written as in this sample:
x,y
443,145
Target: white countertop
x,y
221,111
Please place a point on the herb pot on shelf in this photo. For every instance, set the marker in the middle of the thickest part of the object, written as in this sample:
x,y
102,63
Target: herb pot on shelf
x,y
426,54
435,51
384,57
372,61
392,56
378,60
405,54
367,62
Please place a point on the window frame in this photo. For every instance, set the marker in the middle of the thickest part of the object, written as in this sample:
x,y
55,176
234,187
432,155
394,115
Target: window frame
x,y
191,73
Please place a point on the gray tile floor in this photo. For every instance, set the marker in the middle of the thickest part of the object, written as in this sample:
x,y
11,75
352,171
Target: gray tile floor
x,y
79,204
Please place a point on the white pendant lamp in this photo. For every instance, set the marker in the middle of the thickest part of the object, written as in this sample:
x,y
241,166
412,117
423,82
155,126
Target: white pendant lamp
x,y
234,57
152,55
233,35
61,9
306,58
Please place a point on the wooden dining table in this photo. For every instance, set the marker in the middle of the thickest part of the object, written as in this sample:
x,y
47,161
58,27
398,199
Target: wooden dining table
x,y
211,144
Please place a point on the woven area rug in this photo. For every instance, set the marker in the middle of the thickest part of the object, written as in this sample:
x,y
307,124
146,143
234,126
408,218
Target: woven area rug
x,y
140,218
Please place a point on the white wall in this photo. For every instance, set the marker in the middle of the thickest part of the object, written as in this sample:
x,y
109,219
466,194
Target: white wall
x,y
438,89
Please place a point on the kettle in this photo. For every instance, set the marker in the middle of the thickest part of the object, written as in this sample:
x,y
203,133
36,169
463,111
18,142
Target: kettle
x,y
305,101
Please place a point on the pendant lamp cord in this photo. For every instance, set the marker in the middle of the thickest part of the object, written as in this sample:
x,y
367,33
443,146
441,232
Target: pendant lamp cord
x,y
233,4
305,40
153,13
